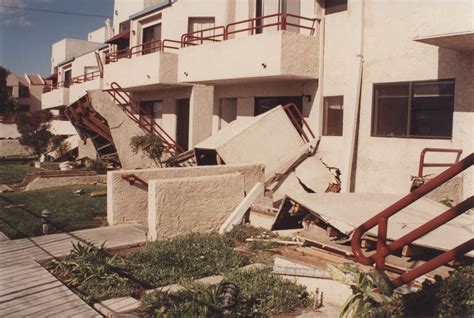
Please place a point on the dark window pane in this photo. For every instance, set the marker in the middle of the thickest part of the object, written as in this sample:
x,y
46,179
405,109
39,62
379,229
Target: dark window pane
x,y
392,116
432,116
333,115
391,109
334,6
427,112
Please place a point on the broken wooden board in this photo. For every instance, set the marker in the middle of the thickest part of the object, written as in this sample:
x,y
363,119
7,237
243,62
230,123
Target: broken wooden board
x,y
346,211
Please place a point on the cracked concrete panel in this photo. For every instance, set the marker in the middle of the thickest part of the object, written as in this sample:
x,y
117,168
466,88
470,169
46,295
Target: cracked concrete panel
x,y
129,203
186,205
310,176
122,129
346,211
266,139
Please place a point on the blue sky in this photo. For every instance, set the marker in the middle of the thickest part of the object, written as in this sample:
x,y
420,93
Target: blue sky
x,y
26,36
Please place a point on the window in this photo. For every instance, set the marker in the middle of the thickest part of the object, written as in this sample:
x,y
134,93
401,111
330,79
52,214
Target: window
x,y
413,109
333,115
124,26
334,6
10,91
201,23
154,108
24,91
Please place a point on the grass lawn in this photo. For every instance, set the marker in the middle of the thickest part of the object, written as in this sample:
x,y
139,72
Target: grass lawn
x,y
68,212
14,172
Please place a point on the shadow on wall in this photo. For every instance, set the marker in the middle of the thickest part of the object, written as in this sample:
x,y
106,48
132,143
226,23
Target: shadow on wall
x,y
460,66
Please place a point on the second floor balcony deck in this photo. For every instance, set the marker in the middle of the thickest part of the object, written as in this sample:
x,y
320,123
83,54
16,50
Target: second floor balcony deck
x,y
149,64
65,92
277,46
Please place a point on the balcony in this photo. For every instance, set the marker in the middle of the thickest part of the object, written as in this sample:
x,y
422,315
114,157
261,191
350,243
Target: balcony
x,y
56,95
147,64
279,46
81,84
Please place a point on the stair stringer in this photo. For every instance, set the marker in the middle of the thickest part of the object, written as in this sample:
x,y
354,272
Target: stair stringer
x,y
122,129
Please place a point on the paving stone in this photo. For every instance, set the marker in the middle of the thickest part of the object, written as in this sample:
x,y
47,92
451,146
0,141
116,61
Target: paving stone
x,y
117,305
211,280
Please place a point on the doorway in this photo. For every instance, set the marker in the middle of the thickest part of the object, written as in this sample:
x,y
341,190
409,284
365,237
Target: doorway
x,y
227,111
182,125
151,34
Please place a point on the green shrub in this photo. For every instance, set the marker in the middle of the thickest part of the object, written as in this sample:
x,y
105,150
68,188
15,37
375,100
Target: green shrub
x,y
451,297
96,275
263,245
197,301
264,257
261,294
184,258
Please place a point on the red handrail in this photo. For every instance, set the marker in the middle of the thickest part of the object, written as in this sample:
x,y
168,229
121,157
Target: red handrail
x,y
381,220
137,114
141,49
191,38
282,23
291,109
425,150
75,80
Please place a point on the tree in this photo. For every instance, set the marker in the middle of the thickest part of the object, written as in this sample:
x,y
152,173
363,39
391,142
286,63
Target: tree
x,y
34,130
7,103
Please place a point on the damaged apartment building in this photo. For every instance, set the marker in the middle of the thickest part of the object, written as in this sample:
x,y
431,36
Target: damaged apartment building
x,y
307,96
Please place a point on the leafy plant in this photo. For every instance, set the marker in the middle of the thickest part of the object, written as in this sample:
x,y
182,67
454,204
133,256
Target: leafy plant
x,y
265,294
370,291
196,301
184,258
151,145
92,271
261,294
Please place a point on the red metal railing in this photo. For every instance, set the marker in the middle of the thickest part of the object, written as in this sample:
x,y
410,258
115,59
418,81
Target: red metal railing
x,y
426,150
200,36
75,80
381,220
141,49
133,179
221,33
298,121
142,118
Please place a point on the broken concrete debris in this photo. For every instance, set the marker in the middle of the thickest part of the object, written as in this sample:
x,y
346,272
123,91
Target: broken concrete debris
x,y
343,212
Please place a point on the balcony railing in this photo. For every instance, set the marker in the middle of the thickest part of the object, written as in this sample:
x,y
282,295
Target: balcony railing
x,y
75,80
142,49
216,34
280,21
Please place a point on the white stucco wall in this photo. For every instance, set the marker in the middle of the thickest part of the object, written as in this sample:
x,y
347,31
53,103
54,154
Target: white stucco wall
x,y
98,35
391,55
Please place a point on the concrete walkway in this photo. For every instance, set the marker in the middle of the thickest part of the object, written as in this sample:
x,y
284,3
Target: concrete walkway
x,y
27,289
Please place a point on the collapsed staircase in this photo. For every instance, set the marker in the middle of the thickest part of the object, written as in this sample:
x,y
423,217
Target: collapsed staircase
x,y
146,122
90,124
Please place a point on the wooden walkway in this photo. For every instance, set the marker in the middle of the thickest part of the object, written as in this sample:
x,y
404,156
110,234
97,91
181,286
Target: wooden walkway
x,y
27,289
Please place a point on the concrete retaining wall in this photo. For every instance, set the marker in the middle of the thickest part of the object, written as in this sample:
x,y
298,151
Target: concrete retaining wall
x,y
42,183
129,203
186,205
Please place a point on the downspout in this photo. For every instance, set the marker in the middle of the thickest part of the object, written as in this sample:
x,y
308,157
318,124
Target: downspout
x,y
352,162
322,34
